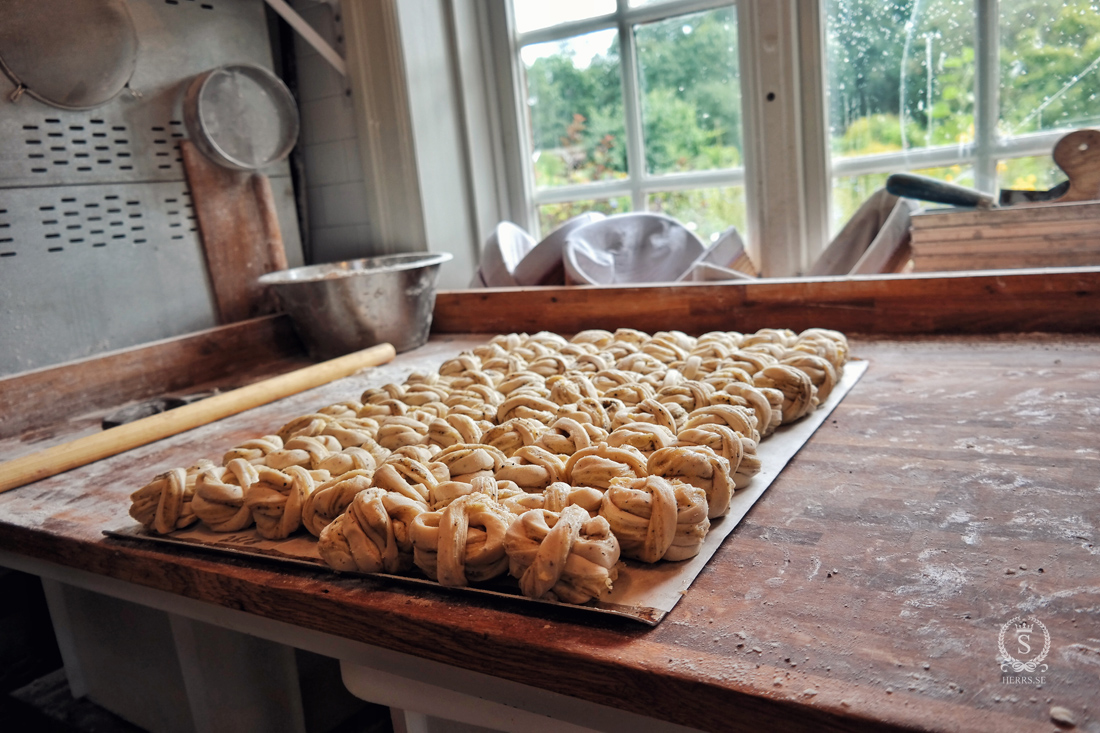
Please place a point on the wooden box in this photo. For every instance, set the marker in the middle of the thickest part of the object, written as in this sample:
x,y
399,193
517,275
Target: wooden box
x,y
1051,235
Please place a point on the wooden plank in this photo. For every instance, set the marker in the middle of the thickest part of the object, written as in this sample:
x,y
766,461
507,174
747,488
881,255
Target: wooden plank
x,y
988,302
1001,260
40,398
1052,245
1083,228
240,234
864,592
1005,217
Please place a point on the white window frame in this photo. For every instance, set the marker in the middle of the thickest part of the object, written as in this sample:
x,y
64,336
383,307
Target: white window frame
x,y
788,172
773,36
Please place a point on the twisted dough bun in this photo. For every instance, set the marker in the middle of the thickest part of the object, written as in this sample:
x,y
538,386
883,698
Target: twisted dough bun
x,y
254,451
466,461
522,403
738,419
688,395
446,492
642,436
648,410
631,393
598,465
531,468
348,459
276,497
551,365
565,555
656,519
572,387
701,467
164,504
219,496
799,393
352,431
511,435
818,369
455,428
383,409
304,451
738,450
756,401
590,411
566,436
372,536
399,430
306,426
554,497
331,498
406,476
462,544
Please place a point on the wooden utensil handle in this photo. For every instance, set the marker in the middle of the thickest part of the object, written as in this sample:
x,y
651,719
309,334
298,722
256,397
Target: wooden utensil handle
x,y
1078,154
82,451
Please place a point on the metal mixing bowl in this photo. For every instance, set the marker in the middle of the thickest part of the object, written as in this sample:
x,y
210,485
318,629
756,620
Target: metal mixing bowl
x,y
342,307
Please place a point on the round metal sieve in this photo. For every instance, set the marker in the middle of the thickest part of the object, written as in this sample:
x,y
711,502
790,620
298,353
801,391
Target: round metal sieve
x,y
241,116
72,54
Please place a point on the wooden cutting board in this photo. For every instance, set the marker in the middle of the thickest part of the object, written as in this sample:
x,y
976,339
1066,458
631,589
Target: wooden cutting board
x,y
240,234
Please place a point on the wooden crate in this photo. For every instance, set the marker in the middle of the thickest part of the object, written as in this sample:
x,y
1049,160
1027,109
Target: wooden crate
x,y
1052,235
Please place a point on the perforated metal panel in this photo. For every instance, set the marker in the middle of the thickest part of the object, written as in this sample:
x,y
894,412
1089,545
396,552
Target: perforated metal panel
x,y
98,248
85,269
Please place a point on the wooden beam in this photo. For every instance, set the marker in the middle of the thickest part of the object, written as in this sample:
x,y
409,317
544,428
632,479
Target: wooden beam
x,y
1058,300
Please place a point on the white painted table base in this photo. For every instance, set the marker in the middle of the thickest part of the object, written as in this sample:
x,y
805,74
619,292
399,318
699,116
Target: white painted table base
x,y
234,665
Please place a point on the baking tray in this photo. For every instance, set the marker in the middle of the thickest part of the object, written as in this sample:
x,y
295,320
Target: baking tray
x,y
642,592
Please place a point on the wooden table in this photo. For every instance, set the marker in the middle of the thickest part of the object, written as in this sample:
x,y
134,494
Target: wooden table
x,y
953,489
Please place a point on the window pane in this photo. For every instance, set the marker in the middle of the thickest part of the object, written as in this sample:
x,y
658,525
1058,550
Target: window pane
x,y
1050,65
1039,173
552,216
850,192
575,101
900,74
706,212
691,106
534,14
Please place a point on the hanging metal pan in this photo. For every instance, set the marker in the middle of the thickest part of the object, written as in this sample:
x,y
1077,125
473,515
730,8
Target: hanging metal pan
x,y
72,54
241,116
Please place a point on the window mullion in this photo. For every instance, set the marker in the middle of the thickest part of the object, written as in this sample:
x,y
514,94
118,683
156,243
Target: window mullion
x,y
986,88
632,110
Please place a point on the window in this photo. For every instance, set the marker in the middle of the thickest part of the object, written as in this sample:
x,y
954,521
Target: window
x,y
632,106
670,106
974,92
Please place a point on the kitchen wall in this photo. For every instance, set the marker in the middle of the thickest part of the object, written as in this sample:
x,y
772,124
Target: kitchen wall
x,y
98,244
338,227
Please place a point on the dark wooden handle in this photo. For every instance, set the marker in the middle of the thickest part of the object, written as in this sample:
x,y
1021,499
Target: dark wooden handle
x,y
923,188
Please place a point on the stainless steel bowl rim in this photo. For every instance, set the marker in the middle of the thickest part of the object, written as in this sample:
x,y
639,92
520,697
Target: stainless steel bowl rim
x,y
355,268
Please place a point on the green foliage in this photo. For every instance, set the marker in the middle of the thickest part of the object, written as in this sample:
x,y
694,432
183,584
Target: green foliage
x,y
691,103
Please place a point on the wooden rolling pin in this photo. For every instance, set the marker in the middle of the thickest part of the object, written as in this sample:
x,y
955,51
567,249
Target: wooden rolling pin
x,y
82,451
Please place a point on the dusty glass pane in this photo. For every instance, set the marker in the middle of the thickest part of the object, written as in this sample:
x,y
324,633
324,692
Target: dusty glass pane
x,y
850,192
575,103
552,216
900,74
531,15
1038,173
707,212
1050,65
691,91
